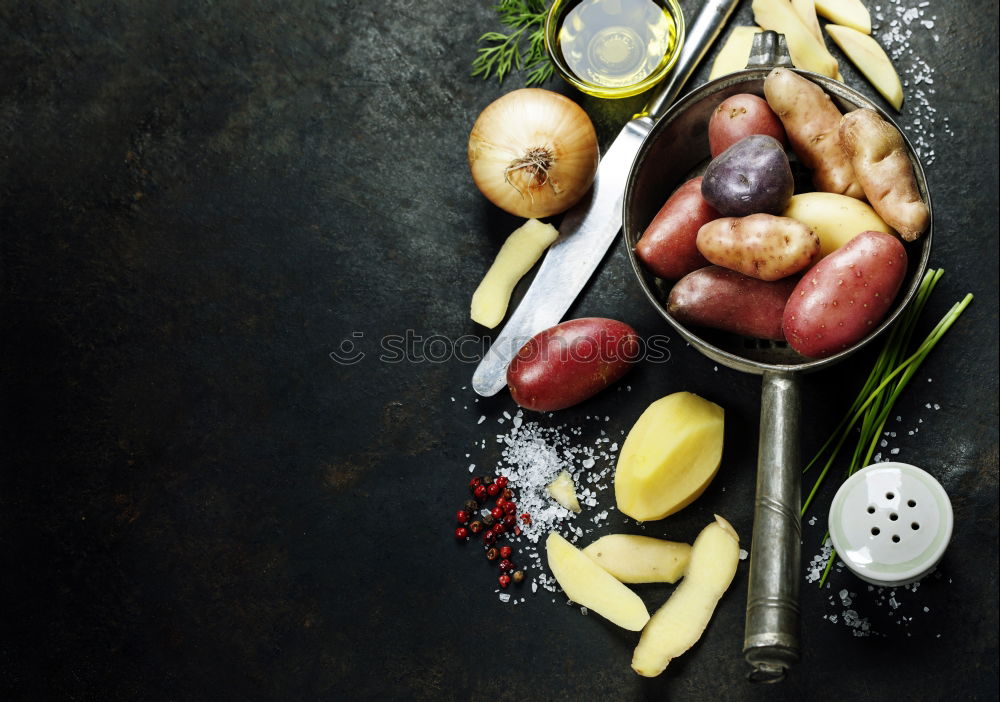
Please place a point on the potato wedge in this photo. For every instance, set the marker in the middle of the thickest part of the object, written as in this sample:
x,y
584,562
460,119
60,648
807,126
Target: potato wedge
x,y
871,59
806,52
735,52
851,13
588,584
680,622
640,559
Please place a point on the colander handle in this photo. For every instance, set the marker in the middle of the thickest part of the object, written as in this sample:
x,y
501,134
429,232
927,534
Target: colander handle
x,y
771,640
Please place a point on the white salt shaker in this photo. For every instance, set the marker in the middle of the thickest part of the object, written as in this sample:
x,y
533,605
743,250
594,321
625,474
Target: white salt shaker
x,y
891,523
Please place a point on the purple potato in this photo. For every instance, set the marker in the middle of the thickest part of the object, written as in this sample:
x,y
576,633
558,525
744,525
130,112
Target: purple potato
x,y
752,176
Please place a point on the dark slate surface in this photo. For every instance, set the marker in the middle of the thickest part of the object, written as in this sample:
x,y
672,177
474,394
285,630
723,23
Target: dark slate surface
x,y
200,202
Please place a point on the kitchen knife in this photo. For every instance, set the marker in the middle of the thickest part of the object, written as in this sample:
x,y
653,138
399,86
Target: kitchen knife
x,y
590,226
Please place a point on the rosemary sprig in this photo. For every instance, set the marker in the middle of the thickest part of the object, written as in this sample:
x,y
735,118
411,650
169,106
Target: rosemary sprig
x,y
525,20
888,378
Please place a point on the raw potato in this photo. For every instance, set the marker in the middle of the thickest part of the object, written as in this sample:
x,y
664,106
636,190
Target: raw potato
x,y
739,116
847,12
568,363
518,254
806,52
719,298
845,296
735,52
669,457
752,175
680,622
640,559
836,219
667,247
588,584
806,10
865,53
563,491
812,123
761,246
878,154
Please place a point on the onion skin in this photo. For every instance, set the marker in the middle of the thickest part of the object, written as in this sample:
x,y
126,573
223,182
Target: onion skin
x,y
528,126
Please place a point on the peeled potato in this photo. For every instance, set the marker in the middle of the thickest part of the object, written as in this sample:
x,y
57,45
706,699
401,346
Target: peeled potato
x,y
669,457
518,254
640,559
588,584
680,622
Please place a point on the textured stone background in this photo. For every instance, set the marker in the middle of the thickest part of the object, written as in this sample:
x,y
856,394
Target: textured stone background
x,y
200,201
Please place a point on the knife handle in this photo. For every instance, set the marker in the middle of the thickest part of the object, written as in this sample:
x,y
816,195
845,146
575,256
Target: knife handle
x,y
706,28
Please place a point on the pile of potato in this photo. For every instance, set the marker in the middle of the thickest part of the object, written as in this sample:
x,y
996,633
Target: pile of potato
x,y
819,269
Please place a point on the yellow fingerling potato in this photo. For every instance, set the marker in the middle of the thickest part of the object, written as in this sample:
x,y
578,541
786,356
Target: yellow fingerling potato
x,y
836,219
680,622
588,584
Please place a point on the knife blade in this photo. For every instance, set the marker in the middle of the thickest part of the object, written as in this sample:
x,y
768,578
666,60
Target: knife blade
x,y
590,226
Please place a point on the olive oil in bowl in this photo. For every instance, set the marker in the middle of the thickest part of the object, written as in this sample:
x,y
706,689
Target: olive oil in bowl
x,y
614,48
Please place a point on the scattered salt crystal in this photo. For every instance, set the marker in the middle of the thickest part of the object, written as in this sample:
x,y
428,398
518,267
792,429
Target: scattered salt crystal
x,y
504,597
894,451
472,467
743,554
482,418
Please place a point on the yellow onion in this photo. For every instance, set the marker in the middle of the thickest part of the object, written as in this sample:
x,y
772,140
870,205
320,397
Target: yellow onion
x,y
533,152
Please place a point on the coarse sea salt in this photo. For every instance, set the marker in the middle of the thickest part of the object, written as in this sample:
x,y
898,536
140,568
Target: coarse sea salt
x,y
532,454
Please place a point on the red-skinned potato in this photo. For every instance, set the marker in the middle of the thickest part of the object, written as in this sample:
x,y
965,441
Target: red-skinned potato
x,y
568,363
667,247
740,116
723,299
845,296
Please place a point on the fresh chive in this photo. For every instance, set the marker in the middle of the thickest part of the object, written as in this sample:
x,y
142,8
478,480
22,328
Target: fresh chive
x,y
887,380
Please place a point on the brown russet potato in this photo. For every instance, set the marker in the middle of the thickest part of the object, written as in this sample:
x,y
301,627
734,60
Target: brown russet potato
x,y
667,247
845,296
740,116
568,363
878,155
812,123
719,298
761,245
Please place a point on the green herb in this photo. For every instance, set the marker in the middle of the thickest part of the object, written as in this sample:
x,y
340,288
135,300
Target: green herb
x,y
888,378
525,20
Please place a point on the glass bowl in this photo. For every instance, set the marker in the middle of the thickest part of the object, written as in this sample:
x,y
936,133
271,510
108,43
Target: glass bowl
x,y
614,42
